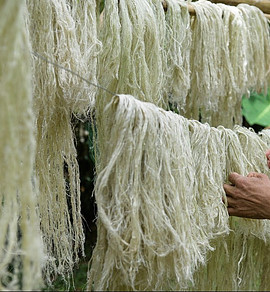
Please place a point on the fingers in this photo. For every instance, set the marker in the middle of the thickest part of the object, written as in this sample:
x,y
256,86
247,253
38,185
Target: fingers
x,y
229,189
257,175
230,202
267,154
234,212
234,178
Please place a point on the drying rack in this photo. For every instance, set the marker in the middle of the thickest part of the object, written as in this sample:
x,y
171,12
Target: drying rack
x,y
264,5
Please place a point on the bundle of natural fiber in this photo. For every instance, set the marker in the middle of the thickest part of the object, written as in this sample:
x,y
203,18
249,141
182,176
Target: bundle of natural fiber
x,y
21,251
209,60
177,54
242,253
244,263
70,39
236,79
229,57
148,234
159,196
64,32
131,62
258,47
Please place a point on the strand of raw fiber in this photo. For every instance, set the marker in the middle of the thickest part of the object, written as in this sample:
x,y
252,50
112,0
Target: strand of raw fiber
x,y
57,94
21,251
244,263
84,14
132,59
152,226
258,45
177,48
71,40
209,60
36,54
236,83
242,253
247,35
137,201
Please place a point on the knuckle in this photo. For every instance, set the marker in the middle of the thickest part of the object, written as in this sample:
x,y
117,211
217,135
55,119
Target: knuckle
x,y
241,182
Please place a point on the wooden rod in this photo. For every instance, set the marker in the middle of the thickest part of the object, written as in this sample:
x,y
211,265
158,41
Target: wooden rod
x,y
192,11
264,5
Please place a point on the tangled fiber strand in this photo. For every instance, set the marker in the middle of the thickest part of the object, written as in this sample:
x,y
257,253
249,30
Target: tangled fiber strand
x,y
242,253
84,15
258,46
159,195
177,48
149,236
70,40
229,57
247,34
208,154
65,32
243,260
21,251
132,60
236,82
208,58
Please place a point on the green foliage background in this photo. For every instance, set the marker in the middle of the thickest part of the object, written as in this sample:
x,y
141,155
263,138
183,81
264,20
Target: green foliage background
x,y
256,109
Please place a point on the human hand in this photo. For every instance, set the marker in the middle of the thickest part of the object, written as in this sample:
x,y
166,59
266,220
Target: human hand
x,y
248,196
268,157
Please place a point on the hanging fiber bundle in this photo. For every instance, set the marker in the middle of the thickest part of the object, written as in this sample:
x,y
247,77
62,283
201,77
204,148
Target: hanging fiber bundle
x,y
236,82
159,194
258,46
242,253
209,57
69,40
21,251
65,32
177,50
131,62
149,236
229,57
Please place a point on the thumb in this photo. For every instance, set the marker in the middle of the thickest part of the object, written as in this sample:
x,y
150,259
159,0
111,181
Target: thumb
x,y
234,177
267,153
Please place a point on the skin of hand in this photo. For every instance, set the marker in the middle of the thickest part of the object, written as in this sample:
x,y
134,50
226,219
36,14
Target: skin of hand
x,y
249,196
268,157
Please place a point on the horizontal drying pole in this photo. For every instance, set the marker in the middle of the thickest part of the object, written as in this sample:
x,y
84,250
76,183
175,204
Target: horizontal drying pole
x,y
264,5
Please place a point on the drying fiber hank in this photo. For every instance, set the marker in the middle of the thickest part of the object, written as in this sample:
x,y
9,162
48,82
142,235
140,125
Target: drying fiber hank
x,y
150,233
159,196
132,58
177,54
21,251
208,61
65,33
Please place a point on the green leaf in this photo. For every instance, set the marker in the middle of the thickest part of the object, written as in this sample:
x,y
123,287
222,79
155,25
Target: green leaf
x,y
256,109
